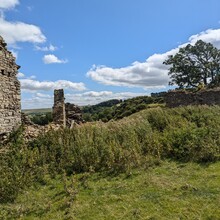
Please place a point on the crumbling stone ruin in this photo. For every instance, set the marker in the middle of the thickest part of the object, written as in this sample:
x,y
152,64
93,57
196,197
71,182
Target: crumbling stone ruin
x,y
73,114
10,107
59,113
65,114
184,98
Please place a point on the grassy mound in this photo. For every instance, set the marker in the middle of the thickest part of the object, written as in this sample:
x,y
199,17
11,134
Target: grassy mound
x,y
189,134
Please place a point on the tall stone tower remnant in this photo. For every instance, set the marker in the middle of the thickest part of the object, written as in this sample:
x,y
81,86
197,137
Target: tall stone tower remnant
x,y
59,113
10,99
65,114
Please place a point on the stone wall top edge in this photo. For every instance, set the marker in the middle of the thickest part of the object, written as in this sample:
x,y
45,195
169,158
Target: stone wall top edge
x,y
217,89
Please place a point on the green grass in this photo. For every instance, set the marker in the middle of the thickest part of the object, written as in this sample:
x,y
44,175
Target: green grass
x,y
159,163
36,111
170,190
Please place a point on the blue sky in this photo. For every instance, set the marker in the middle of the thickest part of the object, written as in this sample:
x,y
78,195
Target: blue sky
x,y
101,49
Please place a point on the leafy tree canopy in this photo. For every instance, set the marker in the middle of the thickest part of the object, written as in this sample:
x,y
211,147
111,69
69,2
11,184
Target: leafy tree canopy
x,y
194,65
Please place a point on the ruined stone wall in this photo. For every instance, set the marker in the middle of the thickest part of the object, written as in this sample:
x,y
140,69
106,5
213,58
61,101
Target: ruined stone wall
x,y
65,114
184,98
59,113
10,108
73,114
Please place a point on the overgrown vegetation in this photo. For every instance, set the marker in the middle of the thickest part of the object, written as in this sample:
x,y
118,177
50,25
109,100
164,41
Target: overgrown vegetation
x,y
42,119
39,116
143,140
118,109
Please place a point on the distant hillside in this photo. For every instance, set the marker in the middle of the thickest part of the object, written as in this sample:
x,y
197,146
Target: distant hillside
x,y
41,116
36,111
105,111
133,105
102,111
117,109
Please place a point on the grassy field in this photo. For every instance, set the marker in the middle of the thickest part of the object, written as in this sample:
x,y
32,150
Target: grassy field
x,y
169,190
36,111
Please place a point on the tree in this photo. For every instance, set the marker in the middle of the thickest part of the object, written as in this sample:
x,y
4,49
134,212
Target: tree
x,y
195,64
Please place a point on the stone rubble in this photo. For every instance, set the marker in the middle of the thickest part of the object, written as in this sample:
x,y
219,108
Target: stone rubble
x,y
31,132
65,114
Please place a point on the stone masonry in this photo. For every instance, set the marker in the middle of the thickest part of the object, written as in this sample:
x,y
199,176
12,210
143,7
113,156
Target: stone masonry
x,y
65,114
59,113
10,108
184,98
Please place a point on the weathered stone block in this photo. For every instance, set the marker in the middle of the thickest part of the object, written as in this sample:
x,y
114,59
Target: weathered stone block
x,y
10,110
65,114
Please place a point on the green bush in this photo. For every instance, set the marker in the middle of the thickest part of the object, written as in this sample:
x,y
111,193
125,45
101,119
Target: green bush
x,y
42,119
19,166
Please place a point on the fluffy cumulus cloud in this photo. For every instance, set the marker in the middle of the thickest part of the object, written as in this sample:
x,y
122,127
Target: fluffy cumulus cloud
x,y
94,97
37,100
210,36
8,4
136,75
50,58
34,85
14,32
151,74
17,31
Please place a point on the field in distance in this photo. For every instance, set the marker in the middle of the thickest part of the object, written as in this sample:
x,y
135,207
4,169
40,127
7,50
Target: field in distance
x,y
36,111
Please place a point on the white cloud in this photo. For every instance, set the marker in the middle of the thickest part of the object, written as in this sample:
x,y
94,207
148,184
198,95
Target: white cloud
x,y
136,75
50,58
20,75
32,77
8,4
93,97
37,102
47,48
34,85
42,95
14,32
210,36
149,74
98,94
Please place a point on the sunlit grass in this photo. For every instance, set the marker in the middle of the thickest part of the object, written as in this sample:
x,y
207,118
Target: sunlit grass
x,y
159,163
168,191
